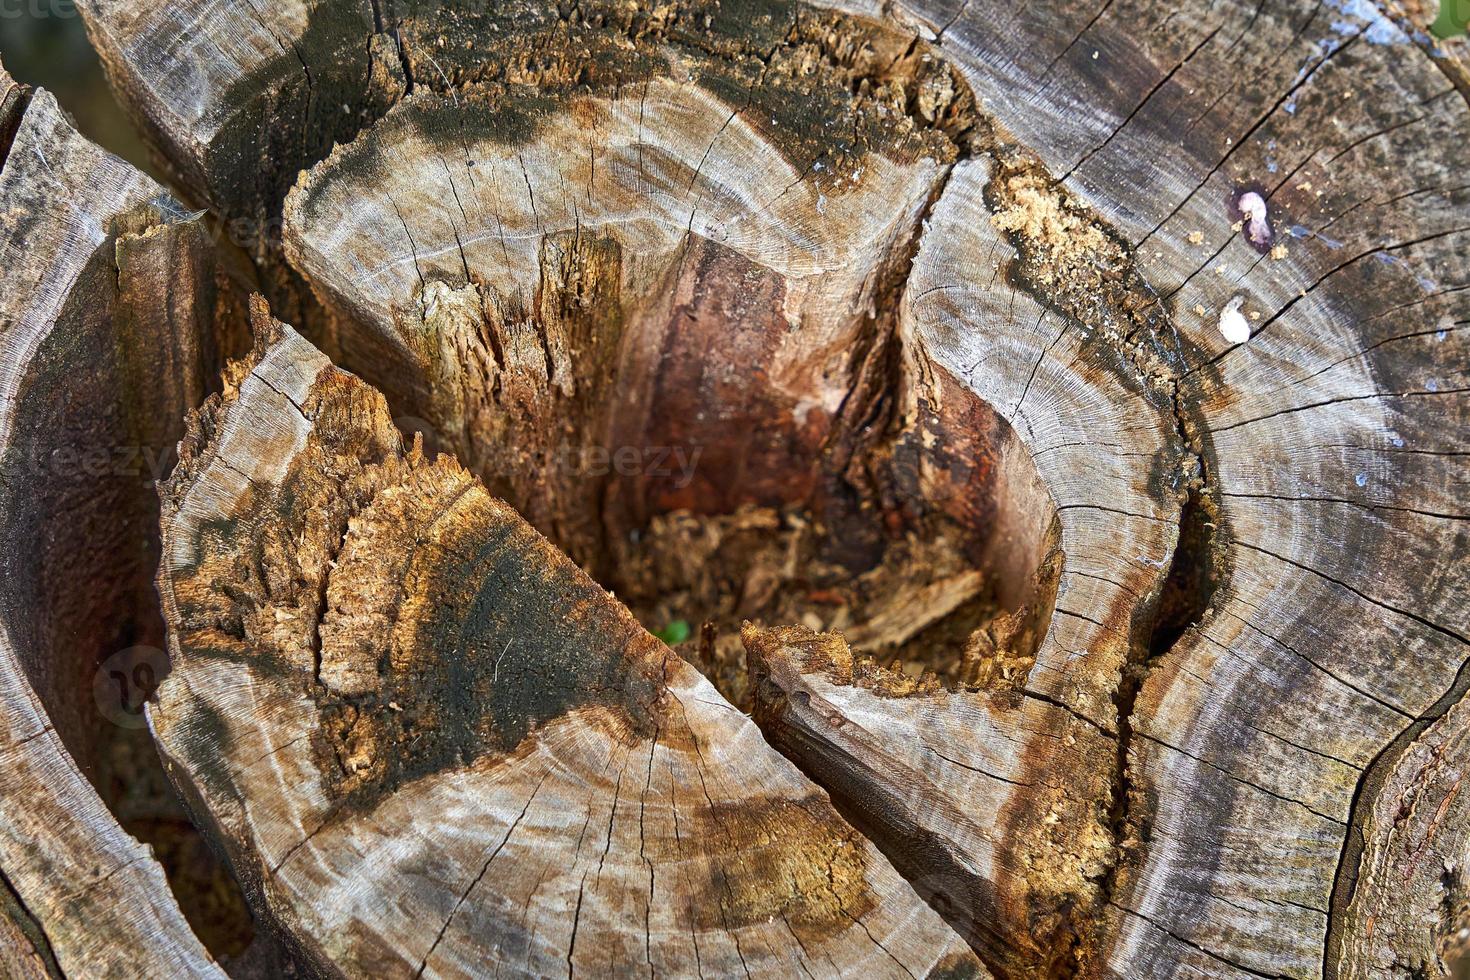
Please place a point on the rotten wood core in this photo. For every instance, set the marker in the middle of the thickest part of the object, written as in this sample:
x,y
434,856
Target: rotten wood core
x,y
916,329
704,402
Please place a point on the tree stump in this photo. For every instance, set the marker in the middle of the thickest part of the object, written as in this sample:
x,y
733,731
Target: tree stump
x,y
921,489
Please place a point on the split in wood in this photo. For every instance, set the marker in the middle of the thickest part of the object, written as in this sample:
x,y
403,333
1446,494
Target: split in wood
x,y
386,682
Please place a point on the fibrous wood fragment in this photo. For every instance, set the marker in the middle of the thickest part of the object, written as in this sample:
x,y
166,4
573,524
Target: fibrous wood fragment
x,y
13,98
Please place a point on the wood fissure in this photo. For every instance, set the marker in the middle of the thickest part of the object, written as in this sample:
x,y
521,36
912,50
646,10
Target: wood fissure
x,y
36,958
1072,260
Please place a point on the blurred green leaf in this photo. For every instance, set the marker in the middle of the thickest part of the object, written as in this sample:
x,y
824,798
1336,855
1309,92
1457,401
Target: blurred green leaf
x,y
1454,16
676,632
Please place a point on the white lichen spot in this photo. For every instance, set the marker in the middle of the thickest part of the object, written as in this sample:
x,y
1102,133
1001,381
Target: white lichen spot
x,y
1195,237
1253,206
1233,325
1278,251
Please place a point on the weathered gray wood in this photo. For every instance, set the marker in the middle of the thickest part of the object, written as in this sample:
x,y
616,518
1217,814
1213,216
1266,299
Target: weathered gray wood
x,y
1331,430
386,683
94,899
1259,627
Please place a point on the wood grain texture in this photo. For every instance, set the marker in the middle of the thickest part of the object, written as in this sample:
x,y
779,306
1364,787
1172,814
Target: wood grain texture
x,y
96,898
1231,752
1328,429
385,682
